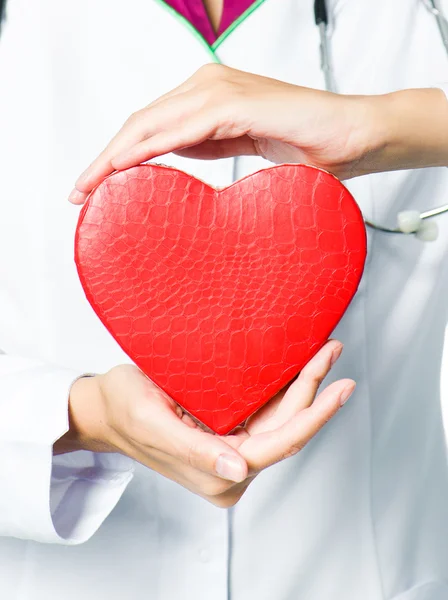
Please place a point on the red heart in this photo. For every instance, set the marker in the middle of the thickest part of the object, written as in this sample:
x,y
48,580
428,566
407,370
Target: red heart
x,y
220,297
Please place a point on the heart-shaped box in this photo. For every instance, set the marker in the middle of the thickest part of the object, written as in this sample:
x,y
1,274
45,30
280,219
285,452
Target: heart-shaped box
x,y
220,296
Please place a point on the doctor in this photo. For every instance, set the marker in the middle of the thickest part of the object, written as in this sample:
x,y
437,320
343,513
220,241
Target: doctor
x,y
362,510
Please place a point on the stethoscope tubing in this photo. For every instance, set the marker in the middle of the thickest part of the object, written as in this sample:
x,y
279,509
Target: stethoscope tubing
x,y
432,6
321,19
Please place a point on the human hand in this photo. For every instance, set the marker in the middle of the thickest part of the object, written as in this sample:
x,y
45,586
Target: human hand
x,y
123,411
221,112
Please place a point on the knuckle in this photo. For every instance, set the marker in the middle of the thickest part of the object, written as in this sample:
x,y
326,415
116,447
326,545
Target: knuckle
x,y
320,415
212,70
294,449
134,117
313,374
195,456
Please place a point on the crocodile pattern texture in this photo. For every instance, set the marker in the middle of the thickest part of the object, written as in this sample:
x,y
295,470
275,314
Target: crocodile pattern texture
x,y
220,296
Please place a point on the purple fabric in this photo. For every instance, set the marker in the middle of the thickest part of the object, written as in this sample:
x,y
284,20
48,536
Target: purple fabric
x,y
194,11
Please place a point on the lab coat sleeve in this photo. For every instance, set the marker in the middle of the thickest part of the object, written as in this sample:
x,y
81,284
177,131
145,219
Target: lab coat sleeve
x,y
444,87
58,500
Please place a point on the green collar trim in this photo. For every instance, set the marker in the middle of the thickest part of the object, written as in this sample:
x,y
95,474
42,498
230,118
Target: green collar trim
x,y
189,26
211,49
236,24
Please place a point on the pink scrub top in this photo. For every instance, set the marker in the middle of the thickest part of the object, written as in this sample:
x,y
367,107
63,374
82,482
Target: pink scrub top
x,y
194,11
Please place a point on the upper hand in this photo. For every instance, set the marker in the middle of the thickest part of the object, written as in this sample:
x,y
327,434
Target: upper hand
x,y
221,112
123,411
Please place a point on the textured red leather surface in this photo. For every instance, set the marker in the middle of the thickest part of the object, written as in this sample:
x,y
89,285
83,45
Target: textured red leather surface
x,y
220,297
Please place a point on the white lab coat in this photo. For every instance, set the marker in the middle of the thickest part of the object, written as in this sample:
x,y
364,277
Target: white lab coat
x,y
362,512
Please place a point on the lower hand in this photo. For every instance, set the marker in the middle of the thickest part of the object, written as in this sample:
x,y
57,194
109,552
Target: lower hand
x,y
123,411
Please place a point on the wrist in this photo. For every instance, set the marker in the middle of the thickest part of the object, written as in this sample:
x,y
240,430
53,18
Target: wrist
x,y
369,135
87,423
408,130
356,132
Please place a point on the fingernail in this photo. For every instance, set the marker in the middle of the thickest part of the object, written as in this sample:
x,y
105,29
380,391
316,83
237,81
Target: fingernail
x,y
346,393
336,354
76,197
229,467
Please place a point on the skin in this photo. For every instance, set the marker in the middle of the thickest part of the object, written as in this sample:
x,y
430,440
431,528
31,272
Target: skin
x,y
123,411
221,112
214,11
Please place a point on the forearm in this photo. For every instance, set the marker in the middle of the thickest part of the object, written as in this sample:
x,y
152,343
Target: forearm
x,y
409,130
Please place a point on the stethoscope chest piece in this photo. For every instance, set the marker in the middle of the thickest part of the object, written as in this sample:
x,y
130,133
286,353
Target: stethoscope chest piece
x,y
412,222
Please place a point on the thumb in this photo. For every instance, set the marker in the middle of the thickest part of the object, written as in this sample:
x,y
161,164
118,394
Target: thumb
x,y
200,450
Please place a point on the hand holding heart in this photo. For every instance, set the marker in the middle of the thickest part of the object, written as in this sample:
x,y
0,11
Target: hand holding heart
x,y
221,112
218,112
123,411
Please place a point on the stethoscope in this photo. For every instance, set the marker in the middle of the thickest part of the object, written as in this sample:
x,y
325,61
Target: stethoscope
x,y
408,221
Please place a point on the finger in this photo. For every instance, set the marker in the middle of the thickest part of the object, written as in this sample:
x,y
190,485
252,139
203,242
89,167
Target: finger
x,y
185,417
193,132
191,446
214,149
297,395
260,420
153,420
184,87
210,487
237,437
189,421
265,449
303,390
218,491
78,197
165,115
